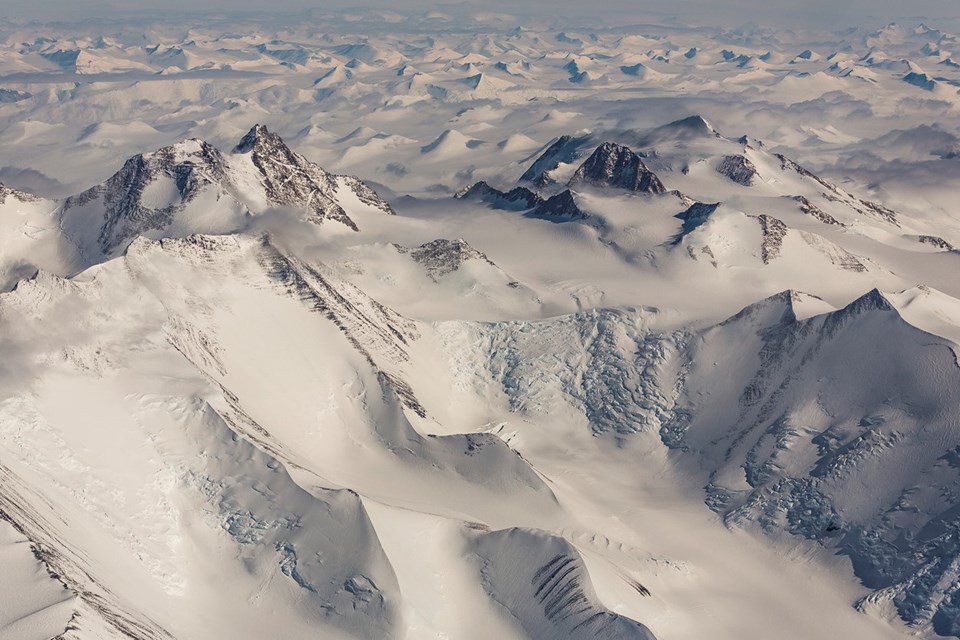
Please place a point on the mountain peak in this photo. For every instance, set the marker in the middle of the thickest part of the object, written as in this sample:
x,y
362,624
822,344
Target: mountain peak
x,y
442,256
694,123
873,300
517,199
258,137
7,192
691,127
614,165
562,151
559,208
190,152
289,179
773,310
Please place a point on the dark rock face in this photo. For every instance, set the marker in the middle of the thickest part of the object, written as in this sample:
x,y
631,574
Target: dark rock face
x,y
739,169
286,178
289,179
813,210
614,165
442,256
936,241
7,192
559,208
773,233
698,211
477,191
694,216
564,150
517,199
522,197
921,80
193,165
11,95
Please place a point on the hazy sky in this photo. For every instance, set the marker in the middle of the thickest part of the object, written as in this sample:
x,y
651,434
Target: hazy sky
x,y
800,12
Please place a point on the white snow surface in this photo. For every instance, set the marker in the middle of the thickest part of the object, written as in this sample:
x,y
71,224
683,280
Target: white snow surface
x,y
312,385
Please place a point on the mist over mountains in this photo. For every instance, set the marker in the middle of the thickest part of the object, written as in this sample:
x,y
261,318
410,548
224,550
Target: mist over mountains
x,y
441,322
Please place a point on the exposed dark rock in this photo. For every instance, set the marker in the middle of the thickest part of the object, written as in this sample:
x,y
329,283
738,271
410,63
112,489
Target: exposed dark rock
x,y
614,165
773,233
442,256
835,193
739,169
564,150
289,179
937,241
813,210
559,208
7,192
192,164
517,199
694,216
11,95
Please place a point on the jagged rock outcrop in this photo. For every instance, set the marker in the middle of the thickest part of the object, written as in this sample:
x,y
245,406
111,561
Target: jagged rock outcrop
x,y
440,257
559,208
694,216
739,169
563,151
813,210
773,233
937,242
7,192
147,193
156,192
517,199
617,166
289,179
834,193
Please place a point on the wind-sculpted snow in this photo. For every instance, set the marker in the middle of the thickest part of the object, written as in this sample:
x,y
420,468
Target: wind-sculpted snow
x,y
543,583
208,497
245,514
503,338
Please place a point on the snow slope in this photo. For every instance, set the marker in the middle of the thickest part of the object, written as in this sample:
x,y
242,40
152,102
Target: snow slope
x,y
567,360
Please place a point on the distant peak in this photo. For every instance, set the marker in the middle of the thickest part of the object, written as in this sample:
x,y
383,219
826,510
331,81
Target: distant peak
x,y
772,310
694,126
614,165
694,122
559,208
254,138
873,300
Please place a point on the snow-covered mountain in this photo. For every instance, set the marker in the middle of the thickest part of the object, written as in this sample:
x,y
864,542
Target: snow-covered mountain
x,y
187,188
569,361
